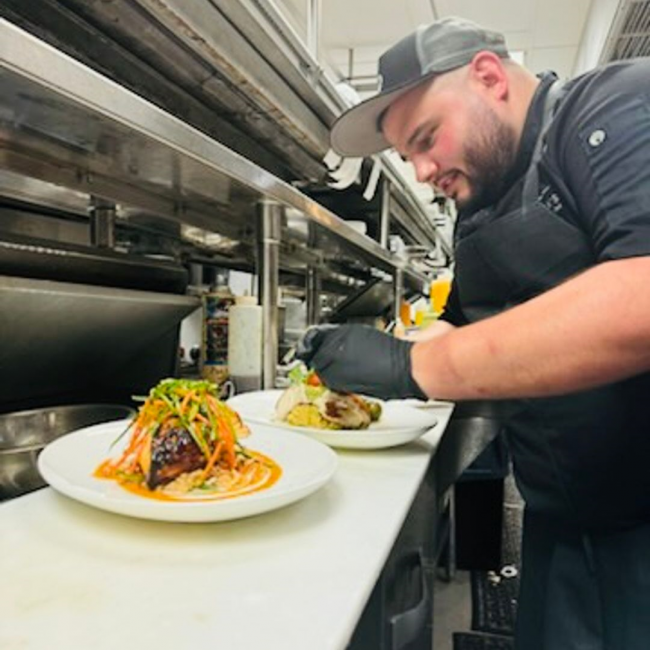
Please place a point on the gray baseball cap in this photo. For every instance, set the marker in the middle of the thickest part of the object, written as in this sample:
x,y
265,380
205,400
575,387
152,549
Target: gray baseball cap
x,y
432,49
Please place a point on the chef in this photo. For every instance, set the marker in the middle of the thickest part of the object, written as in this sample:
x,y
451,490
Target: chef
x,y
549,313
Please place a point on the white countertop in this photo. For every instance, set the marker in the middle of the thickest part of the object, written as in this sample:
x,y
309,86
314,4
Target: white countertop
x,y
76,578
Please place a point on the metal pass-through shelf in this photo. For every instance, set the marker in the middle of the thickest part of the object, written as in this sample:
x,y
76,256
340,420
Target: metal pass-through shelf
x,y
63,123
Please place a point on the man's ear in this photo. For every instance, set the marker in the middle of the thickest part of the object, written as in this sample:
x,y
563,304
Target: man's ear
x,y
487,70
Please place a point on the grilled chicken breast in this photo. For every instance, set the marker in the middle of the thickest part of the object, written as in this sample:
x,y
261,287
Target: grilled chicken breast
x,y
346,411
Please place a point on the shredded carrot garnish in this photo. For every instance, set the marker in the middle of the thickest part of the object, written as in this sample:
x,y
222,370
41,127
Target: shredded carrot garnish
x,y
212,461
192,406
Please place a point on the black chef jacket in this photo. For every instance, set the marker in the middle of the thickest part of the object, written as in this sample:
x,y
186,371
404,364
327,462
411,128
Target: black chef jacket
x,y
581,460
589,461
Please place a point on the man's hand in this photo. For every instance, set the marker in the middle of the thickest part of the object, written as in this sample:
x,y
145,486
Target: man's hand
x,y
360,359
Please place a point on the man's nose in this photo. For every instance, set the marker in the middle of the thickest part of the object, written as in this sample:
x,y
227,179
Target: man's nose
x,y
425,169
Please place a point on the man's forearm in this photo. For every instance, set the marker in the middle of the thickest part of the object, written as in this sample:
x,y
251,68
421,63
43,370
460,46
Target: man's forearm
x,y
591,330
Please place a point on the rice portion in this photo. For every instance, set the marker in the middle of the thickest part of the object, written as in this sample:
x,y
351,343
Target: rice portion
x,y
307,415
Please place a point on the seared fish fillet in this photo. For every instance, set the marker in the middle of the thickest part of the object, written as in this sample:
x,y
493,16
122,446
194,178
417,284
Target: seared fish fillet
x,y
173,452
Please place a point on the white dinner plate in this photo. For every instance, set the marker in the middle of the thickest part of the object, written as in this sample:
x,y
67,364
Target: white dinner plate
x,y
397,425
67,464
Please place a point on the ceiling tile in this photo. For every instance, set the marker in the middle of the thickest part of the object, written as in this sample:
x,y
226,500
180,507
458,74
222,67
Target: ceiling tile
x,y
502,15
558,59
560,23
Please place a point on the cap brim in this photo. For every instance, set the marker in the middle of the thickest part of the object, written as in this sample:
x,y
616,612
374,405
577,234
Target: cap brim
x,y
356,132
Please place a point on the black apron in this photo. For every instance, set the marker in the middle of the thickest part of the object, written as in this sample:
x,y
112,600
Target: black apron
x,y
585,582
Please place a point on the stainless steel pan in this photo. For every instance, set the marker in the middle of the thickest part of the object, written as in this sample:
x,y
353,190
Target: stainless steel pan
x,y
24,434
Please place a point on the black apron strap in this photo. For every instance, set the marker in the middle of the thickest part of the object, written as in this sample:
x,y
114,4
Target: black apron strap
x,y
531,183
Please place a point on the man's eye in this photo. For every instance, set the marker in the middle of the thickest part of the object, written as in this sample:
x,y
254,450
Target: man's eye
x,y
424,144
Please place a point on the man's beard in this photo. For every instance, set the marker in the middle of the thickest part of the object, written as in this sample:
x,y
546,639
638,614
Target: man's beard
x,y
490,158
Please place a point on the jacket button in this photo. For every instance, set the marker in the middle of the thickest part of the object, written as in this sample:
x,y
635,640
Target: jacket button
x,y
597,138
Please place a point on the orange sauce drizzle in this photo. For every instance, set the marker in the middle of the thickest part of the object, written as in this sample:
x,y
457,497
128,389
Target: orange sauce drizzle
x,y
271,476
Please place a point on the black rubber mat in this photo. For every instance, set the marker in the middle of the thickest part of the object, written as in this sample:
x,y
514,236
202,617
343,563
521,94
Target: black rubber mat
x,y
494,595
513,510
494,605
470,641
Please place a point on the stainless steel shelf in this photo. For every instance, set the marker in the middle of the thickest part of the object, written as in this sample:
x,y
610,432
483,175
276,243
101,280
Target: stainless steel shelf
x,y
63,123
235,70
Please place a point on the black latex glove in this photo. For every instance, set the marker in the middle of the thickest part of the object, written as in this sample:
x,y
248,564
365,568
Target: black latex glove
x,y
360,359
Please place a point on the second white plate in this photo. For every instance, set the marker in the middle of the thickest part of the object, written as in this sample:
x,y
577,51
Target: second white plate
x,y
398,424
